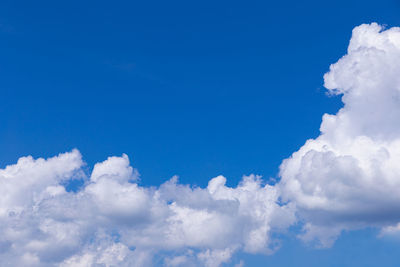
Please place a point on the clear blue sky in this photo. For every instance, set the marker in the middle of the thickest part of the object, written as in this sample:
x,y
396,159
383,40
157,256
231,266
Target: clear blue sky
x,y
195,89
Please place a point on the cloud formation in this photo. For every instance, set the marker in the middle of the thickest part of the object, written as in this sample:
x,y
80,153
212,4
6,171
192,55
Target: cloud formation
x,y
114,221
347,178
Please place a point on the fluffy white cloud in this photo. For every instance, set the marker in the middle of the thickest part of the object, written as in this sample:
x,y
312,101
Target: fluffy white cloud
x,y
113,221
349,177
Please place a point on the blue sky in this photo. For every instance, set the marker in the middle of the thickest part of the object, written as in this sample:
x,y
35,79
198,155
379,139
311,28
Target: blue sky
x,y
194,89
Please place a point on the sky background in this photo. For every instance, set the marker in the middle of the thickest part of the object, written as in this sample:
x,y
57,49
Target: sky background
x,y
195,89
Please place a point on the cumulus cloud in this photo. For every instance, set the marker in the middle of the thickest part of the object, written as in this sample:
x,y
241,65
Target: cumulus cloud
x,y
349,177
113,221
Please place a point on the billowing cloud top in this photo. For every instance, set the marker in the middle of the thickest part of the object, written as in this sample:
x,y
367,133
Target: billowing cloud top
x,y
347,178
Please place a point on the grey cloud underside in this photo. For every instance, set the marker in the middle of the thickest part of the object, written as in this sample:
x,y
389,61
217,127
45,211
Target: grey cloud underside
x,y
347,178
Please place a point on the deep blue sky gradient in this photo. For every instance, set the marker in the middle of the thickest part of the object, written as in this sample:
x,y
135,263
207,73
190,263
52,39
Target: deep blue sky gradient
x,y
193,88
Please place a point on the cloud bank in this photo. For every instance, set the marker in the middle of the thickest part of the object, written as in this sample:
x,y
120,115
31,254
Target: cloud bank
x,y
114,221
347,178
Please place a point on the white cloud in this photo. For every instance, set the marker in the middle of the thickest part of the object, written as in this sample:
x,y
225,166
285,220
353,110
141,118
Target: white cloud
x,y
112,220
349,177
215,258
